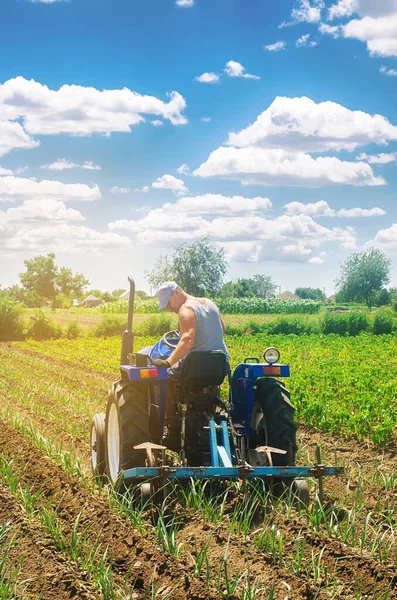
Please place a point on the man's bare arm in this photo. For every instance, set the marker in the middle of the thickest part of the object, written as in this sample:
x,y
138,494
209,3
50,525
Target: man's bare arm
x,y
187,326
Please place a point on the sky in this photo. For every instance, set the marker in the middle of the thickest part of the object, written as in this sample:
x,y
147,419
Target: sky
x,y
128,127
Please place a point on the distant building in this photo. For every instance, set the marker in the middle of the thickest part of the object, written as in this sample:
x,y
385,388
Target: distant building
x,y
126,296
287,295
91,301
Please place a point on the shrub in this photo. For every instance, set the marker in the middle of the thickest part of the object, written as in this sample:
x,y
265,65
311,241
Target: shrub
x,y
357,322
382,323
73,330
294,325
155,325
334,323
110,325
10,320
43,328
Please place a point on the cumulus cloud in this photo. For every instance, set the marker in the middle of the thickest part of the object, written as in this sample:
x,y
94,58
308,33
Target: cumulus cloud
x,y
322,209
157,123
42,209
386,238
19,188
236,69
60,165
184,3
12,136
261,166
206,119
46,1
183,169
276,47
302,124
378,159
119,190
79,110
144,189
308,11
389,72
238,224
334,30
343,8
169,182
304,41
207,78
6,171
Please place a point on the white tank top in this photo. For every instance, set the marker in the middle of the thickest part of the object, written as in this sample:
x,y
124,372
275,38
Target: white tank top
x,y
209,333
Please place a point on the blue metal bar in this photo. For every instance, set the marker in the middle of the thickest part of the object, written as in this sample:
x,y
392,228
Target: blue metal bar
x,y
230,472
213,444
225,439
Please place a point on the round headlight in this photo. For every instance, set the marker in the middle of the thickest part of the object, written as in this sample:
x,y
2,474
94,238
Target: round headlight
x,y
271,355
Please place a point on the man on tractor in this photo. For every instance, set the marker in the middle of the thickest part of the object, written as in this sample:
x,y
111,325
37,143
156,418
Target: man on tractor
x,y
200,325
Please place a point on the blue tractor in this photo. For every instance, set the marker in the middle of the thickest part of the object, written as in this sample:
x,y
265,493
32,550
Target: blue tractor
x,y
155,430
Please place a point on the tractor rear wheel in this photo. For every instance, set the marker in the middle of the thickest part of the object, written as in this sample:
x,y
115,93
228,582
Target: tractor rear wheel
x,y
127,425
277,427
97,436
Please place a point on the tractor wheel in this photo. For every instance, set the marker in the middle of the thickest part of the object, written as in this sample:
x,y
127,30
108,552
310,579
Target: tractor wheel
x,y
277,427
127,425
98,464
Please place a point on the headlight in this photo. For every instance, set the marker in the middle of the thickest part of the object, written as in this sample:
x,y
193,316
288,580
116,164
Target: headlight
x,y
271,355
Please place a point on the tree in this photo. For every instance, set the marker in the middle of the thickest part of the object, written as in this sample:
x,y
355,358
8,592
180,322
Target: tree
x,y
43,279
362,275
198,268
309,293
260,286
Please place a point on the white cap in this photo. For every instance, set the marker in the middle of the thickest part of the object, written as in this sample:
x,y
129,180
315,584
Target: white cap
x,y
164,293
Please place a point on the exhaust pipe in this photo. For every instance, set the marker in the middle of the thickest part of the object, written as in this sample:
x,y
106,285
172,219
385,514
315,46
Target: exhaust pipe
x,y
127,340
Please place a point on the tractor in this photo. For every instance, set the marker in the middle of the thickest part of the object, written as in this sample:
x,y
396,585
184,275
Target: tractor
x,y
155,429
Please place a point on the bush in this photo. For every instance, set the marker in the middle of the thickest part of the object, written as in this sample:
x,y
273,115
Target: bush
x,y
334,323
357,322
294,325
10,320
110,325
382,323
73,330
43,328
155,325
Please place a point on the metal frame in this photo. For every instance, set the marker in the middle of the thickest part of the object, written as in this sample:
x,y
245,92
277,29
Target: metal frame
x,y
231,472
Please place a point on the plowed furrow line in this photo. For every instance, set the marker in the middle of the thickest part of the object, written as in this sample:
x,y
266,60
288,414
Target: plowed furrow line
x,y
44,573
129,551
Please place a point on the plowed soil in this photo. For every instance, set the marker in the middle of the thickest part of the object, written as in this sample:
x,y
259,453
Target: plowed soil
x,y
49,573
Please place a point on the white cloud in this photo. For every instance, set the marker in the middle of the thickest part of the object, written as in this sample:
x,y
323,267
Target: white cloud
x,y
144,189
237,224
184,3
207,78
60,165
183,169
304,41
262,166
302,124
42,209
206,119
13,188
343,8
236,69
12,136
380,34
334,30
4,171
322,209
157,123
169,182
389,72
378,159
308,11
276,47
386,238
78,110
119,190
46,1
90,166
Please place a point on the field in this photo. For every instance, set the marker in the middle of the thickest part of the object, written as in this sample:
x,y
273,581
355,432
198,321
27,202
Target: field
x,y
61,536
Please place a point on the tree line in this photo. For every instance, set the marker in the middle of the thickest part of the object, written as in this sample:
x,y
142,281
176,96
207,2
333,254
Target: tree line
x,y
200,269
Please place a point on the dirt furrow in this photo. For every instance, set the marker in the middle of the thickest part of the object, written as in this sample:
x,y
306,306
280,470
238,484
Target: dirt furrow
x,y
129,551
44,573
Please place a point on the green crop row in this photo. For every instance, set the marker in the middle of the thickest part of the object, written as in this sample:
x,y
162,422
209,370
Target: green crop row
x,y
231,306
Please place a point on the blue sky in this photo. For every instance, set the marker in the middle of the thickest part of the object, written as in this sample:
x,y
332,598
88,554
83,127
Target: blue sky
x,y
278,193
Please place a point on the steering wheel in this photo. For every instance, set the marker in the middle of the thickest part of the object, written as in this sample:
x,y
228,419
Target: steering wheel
x,y
169,338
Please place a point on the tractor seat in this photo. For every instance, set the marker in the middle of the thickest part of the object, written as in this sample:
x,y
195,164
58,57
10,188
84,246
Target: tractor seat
x,y
203,369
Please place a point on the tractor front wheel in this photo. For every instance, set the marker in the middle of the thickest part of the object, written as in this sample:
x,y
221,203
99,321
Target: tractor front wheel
x,y
127,425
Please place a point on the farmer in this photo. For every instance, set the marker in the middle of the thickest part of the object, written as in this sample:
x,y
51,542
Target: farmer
x,y
200,325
